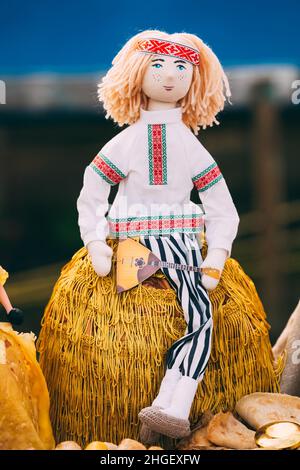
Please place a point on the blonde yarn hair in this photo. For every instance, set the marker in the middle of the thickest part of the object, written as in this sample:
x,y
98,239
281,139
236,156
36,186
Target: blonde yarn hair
x,y
121,93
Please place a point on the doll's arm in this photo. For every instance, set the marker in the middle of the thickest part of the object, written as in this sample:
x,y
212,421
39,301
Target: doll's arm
x,y
108,168
92,205
221,220
221,217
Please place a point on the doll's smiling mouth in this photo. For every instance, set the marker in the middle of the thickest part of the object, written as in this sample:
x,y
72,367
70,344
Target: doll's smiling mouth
x,y
168,88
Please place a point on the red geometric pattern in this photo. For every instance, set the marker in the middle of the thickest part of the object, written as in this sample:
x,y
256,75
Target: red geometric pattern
x,y
157,154
161,46
207,178
107,170
156,225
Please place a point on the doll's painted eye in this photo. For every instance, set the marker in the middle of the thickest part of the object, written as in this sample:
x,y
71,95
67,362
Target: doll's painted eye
x,y
183,67
157,66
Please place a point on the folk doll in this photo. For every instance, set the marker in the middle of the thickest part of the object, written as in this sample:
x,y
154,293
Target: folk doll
x,y
12,315
165,87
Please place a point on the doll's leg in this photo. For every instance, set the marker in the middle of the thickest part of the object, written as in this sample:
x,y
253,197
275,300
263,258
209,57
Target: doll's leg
x,y
196,344
13,315
173,373
191,352
4,300
169,381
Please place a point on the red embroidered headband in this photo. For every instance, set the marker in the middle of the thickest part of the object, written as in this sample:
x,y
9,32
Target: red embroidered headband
x,y
161,46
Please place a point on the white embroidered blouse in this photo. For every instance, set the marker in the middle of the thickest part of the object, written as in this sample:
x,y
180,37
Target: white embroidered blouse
x,y
156,161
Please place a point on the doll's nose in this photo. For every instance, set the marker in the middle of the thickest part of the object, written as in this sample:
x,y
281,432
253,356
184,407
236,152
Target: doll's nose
x,y
169,82
170,77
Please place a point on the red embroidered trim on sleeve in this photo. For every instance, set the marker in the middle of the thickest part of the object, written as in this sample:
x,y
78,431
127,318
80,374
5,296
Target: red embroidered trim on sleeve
x,y
208,177
107,169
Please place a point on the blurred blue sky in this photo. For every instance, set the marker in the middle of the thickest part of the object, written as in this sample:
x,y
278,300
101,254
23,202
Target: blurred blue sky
x,y
84,36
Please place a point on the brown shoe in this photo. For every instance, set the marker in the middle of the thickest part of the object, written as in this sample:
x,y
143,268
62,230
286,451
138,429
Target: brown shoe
x,y
147,435
163,423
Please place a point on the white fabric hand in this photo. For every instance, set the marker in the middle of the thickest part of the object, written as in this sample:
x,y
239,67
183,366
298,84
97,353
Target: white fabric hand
x,y
215,258
101,255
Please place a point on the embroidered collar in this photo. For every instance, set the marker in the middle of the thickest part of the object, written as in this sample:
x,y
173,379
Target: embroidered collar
x,y
162,116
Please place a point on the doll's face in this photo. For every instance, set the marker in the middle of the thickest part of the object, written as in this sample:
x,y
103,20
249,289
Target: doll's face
x,y
167,78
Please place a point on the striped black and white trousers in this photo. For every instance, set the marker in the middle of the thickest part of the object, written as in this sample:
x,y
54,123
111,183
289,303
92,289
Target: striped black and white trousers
x,y
191,352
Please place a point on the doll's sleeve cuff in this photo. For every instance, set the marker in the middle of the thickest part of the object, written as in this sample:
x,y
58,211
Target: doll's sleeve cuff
x,y
221,243
96,235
